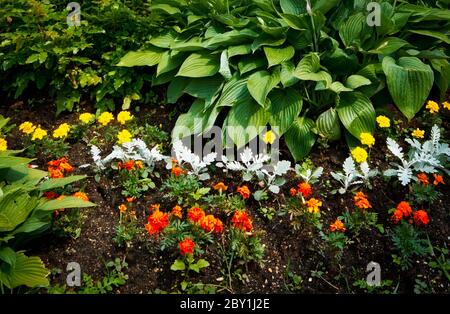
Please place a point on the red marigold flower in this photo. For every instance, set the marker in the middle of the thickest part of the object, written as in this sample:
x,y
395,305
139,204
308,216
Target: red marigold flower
x,y
56,174
423,178
176,170
218,228
51,195
405,208
195,214
157,222
244,191
338,225
438,179
187,246
421,218
361,201
304,188
177,211
397,216
241,221
81,195
129,165
293,191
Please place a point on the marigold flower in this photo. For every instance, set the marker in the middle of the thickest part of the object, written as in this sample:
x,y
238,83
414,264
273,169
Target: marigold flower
x,y
404,208
38,134
210,223
187,246
421,218
241,221
293,191
359,154
446,105
423,178
27,127
62,130
177,171
244,191
218,227
131,199
105,118
338,225
124,136
123,208
177,211
195,214
361,201
86,117
432,106
313,205
367,139
418,133
81,195
220,187
3,145
56,174
438,179
383,121
269,137
304,188
139,164
154,207
397,216
124,116
157,222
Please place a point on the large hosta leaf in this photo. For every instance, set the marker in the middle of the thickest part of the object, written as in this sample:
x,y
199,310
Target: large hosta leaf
x,y
308,69
260,84
285,106
67,202
300,137
356,113
56,183
200,65
15,208
278,55
409,82
234,92
26,271
148,57
389,45
328,125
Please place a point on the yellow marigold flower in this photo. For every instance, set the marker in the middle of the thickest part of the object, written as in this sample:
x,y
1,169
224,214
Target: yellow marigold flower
x,y
3,145
432,106
313,205
383,122
27,127
86,117
418,133
359,154
367,139
124,116
124,136
269,137
105,118
446,105
61,131
38,134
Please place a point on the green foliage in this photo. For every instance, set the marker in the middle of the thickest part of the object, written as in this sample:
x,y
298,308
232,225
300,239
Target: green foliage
x,y
383,288
303,73
184,188
358,220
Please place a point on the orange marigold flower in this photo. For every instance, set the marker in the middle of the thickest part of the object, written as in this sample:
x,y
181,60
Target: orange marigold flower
x,y
404,208
220,187
208,223
177,171
187,246
129,165
81,195
304,188
154,207
139,164
241,221
157,222
195,214
218,228
361,201
244,191
122,208
397,216
438,179
177,211
51,195
423,178
131,199
338,225
66,167
421,218
56,174
313,205
293,191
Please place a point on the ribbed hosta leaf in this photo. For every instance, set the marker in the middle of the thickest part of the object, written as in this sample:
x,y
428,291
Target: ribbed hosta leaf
x,y
287,74
67,202
356,113
170,61
355,81
285,106
14,209
409,82
308,69
278,55
295,7
234,92
148,57
261,83
328,125
300,138
27,271
199,65
389,45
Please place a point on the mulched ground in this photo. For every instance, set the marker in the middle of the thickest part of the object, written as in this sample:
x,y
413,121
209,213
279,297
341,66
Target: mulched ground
x,y
149,269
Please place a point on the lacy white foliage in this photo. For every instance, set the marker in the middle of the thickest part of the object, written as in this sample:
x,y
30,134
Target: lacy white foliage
x,y
134,150
183,155
307,174
274,178
427,157
353,176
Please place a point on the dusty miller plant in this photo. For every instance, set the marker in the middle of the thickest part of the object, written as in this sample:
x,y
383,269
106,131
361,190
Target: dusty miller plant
x,y
352,176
